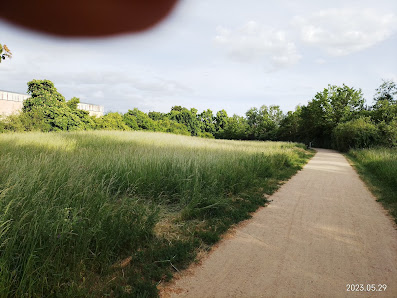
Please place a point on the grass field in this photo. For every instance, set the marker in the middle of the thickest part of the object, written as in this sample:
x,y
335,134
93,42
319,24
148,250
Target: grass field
x,y
92,214
378,167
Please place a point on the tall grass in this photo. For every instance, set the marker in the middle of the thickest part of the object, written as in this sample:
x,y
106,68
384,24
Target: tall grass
x,y
114,213
378,167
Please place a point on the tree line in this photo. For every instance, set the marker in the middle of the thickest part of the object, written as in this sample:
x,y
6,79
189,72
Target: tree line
x,y
337,117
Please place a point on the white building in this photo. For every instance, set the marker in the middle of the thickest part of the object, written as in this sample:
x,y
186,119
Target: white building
x,y
94,110
12,103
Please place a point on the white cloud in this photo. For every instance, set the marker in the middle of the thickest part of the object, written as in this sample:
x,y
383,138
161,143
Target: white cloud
x,y
98,94
320,61
343,31
253,43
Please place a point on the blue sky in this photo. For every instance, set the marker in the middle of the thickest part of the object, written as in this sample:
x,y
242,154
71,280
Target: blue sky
x,y
217,54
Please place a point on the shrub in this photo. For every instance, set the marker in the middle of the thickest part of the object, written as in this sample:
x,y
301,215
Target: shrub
x,y
357,133
137,119
111,121
388,133
167,125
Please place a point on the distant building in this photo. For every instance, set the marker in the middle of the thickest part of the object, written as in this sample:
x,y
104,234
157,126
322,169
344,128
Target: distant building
x,y
94,110
12,103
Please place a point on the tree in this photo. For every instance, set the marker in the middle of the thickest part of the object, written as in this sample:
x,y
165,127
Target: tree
x,y
236,128
384,110
356,133
221,120
137,119
187,117
47,108
289,126
264,122
386,91
329,108
111,121
385,107
207,121
156,116
4,52
73,102
42,94
167,125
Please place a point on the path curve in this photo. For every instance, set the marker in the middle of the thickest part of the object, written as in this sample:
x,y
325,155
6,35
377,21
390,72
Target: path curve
x,y
322,231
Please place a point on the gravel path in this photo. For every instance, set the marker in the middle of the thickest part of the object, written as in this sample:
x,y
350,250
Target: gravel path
x,y
322,231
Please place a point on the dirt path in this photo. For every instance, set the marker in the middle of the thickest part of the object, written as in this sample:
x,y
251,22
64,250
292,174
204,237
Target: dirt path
x,y
322,231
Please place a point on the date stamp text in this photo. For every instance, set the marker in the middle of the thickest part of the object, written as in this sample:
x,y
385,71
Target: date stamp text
x,y
366,287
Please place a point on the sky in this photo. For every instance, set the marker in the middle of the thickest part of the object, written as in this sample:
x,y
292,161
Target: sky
x,y
217,54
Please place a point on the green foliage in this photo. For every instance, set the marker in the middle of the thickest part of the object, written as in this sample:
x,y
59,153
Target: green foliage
x,y
236,128
156,116
207,122
111,121
174,127
43,95
357,133
289,129
328,108
387,91
221,121
321,121
142,120
185,117
264,122
73,102
206,135
384,110
46,110
388,133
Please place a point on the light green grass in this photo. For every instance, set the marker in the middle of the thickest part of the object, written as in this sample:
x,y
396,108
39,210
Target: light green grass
x,y
378,168
75,205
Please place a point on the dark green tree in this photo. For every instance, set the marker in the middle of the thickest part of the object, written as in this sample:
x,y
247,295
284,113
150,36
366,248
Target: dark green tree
x,y
236,128
329,108
387,91
49,111
289,126
221,121
264,122
207,121
186,117
137,119
156,116
43,94
356,133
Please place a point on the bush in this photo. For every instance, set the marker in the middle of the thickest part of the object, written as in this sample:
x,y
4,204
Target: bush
x,y
137,120
206,135
357,133
167,125
388,133
111,121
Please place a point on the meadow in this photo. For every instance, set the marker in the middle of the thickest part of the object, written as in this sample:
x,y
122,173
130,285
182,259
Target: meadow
x,y
111,213
378,168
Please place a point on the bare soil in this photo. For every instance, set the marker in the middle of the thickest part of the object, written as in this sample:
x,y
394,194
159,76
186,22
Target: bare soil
x,y
322,231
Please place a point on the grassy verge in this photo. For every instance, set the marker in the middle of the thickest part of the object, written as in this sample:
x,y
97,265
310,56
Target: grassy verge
x,y
90,214
378,168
